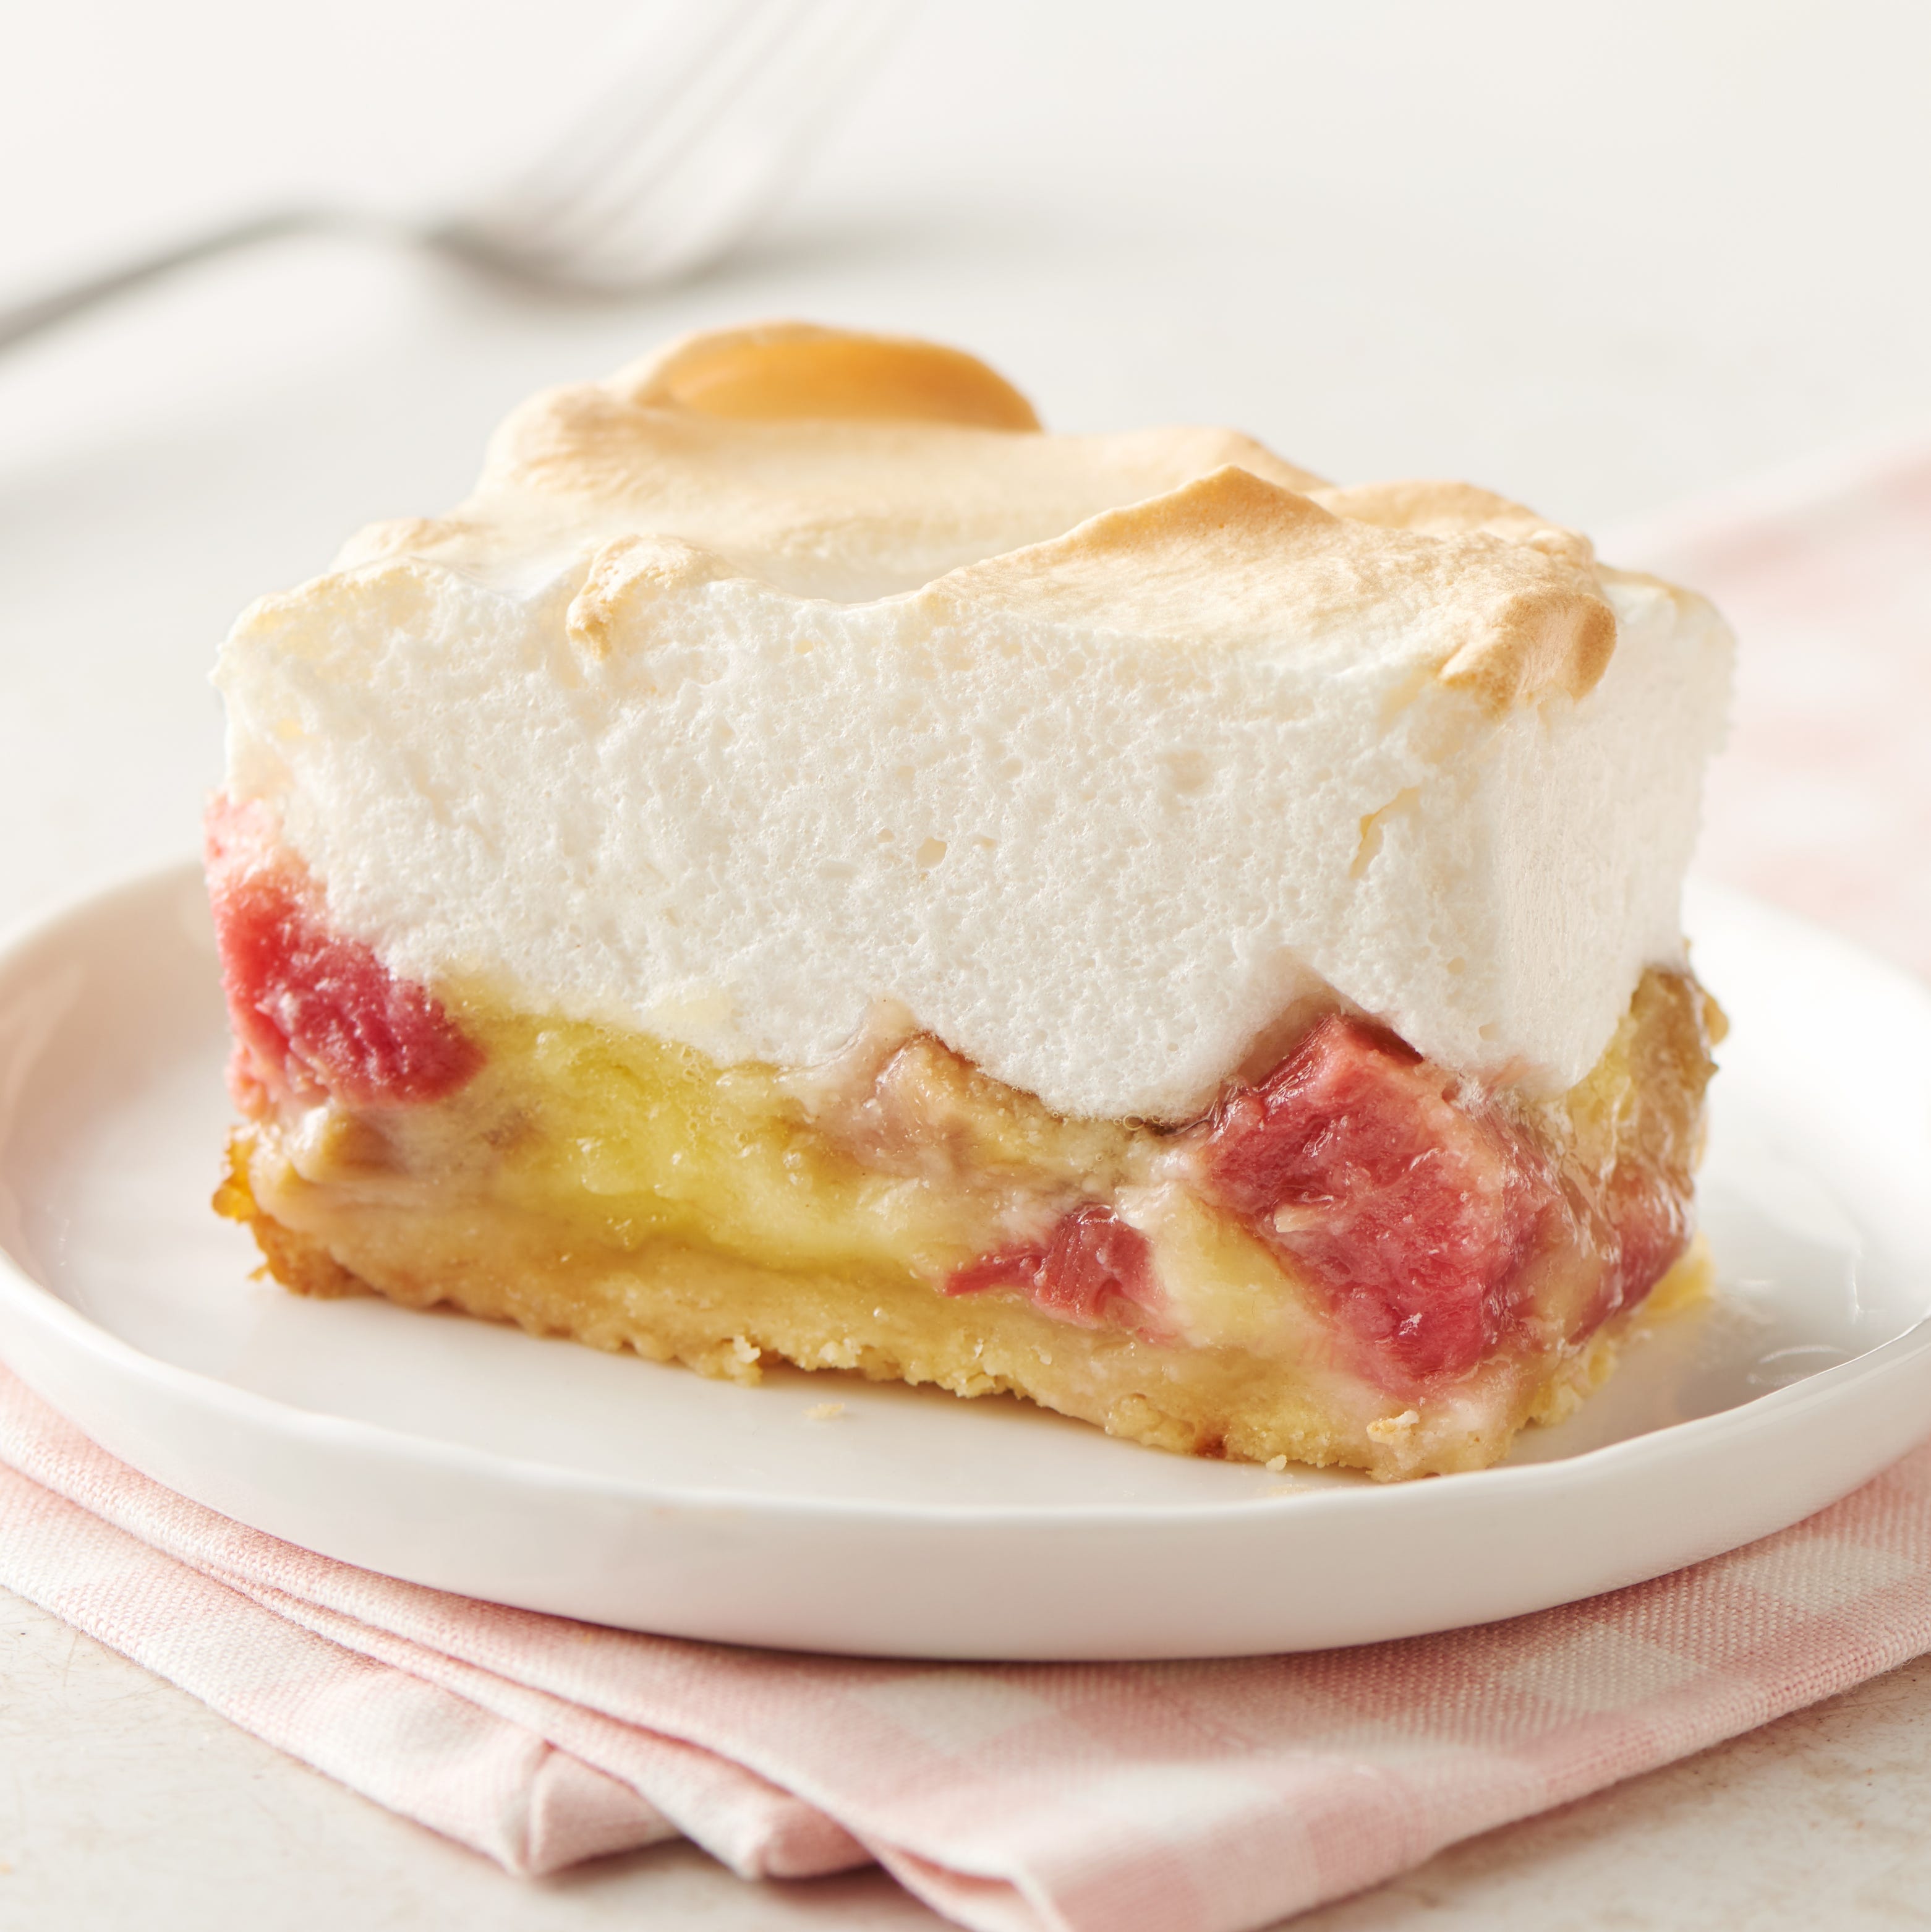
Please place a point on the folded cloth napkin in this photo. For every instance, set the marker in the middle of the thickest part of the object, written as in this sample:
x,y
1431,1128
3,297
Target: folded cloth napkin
x,y
1093,1798
1821,801
1116,1798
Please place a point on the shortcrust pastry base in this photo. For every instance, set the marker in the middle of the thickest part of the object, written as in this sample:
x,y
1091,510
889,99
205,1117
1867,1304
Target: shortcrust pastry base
x,y
724,1317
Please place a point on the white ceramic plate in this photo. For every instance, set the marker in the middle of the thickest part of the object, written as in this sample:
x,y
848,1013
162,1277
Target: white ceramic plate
x,y
544,1475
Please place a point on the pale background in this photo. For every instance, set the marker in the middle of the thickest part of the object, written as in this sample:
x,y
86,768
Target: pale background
x,y
1601,256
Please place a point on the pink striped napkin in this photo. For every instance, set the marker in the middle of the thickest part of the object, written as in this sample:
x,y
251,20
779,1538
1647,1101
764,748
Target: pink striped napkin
x,y
1118,1798
1822,800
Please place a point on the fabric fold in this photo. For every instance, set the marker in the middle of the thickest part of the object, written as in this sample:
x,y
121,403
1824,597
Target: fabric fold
x,y
1210,1797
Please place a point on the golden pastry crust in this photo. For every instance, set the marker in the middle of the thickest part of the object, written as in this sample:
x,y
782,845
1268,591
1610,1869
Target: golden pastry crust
x,y
725,1319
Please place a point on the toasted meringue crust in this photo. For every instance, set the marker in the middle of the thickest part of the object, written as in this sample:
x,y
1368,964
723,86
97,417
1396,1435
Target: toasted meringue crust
x,y
790,671
792,369
848,465
1231,561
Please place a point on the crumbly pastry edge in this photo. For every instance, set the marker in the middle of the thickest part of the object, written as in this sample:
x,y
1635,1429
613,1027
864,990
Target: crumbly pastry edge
x,y
726,1319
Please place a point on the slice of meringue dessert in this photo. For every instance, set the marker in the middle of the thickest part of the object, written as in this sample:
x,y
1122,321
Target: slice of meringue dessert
x,y
804,865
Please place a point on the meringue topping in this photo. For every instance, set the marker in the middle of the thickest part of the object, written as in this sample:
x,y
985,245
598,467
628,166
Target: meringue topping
x,y
794,671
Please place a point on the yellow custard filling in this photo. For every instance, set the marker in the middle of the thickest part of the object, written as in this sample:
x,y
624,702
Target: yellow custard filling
x,y
620,1140
898,1166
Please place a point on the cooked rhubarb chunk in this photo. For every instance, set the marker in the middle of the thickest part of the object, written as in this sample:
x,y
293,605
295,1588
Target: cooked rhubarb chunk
x,y
313,1013
1095,1270
1412,1212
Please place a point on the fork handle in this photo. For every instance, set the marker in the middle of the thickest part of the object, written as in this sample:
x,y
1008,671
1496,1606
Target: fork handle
x,y
21,320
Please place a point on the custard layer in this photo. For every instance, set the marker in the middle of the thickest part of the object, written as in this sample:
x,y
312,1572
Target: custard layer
x,y
627,1192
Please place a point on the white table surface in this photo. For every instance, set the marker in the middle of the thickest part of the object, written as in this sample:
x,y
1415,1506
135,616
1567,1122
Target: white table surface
x,y
1602,257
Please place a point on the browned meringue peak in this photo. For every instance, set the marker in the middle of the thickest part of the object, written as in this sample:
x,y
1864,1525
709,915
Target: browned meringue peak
x,y
871,466
1229,559
1437,508
832,463
777,371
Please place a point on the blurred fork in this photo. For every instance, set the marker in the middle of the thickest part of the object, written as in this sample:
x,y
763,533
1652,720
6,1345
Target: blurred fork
x,y
687,144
